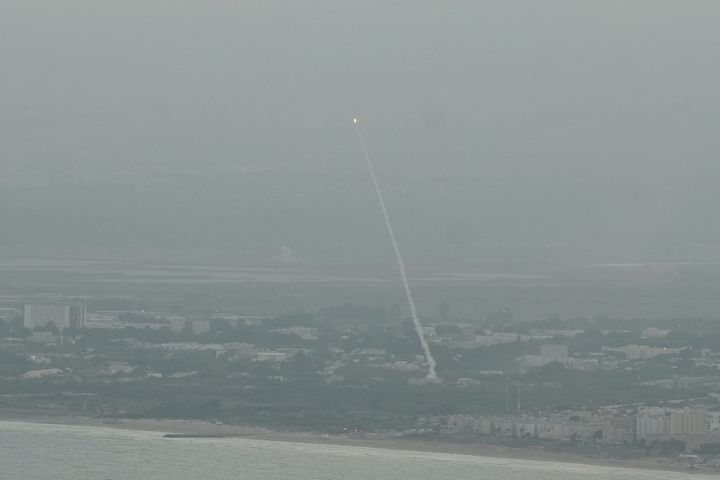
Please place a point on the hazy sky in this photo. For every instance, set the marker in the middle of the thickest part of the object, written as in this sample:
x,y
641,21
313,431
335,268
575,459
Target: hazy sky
x,y
606,110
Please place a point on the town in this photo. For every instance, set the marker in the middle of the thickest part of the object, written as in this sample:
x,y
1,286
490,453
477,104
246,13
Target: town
x,y
652,387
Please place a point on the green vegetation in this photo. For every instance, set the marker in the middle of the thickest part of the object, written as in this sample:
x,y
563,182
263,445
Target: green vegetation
x,y
359,369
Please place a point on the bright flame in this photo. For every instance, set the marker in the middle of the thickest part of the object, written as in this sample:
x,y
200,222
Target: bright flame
x,y
354,119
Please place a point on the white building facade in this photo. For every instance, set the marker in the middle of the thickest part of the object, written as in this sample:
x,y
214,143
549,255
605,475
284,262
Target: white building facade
x,y
60,315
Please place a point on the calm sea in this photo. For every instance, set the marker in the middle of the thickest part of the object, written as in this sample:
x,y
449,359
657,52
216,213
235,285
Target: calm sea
x,y
39,451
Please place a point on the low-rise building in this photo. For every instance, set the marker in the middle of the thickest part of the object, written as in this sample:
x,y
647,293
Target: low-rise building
x,y
554,352
271,356
642,352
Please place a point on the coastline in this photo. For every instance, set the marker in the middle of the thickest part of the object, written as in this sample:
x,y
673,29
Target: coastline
x,y
199,428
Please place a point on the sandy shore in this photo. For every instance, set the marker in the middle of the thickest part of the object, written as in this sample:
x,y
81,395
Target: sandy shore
x,y
370,441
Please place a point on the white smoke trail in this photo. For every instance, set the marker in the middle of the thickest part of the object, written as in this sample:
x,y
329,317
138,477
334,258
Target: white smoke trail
x,y
431,375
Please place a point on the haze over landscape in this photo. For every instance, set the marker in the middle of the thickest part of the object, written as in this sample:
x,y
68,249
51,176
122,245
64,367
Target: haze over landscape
x,y
190,239
496,126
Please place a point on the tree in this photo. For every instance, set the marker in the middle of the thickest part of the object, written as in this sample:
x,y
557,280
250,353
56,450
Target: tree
x,y
710,449
668,447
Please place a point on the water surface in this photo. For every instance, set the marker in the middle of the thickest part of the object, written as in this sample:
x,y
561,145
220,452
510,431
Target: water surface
x,y
42,451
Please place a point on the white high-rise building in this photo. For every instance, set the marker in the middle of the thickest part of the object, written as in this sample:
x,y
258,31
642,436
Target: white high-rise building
x,y
653,426
60,315
688,421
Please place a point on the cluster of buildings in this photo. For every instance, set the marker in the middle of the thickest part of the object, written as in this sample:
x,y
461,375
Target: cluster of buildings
x,y
606,358
611,426
467,337
108,369
74,315
693,426
231,351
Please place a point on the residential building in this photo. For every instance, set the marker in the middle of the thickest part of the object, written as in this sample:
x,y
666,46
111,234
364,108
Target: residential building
x,y
653,425
60,315
619,430
687,422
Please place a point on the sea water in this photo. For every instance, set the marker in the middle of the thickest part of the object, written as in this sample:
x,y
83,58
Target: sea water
x,y
30,451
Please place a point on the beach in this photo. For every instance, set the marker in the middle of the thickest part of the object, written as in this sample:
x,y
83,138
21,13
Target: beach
x,y
380,441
